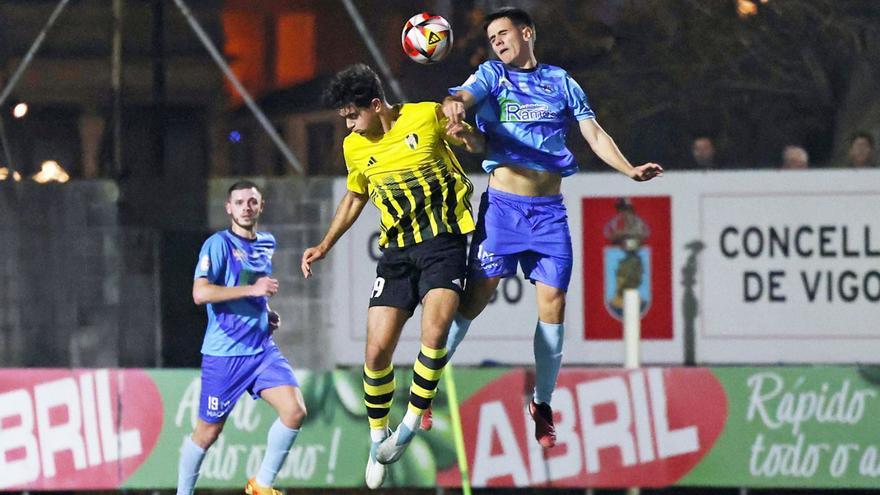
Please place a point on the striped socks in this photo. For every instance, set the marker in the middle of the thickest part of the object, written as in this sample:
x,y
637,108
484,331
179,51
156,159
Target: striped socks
x,y
427,371
378,394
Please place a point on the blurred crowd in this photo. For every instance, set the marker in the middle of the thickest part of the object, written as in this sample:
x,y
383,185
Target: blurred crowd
x,y
861,153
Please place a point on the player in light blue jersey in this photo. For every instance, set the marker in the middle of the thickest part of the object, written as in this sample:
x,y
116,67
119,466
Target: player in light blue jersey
x,y
233,279
524,108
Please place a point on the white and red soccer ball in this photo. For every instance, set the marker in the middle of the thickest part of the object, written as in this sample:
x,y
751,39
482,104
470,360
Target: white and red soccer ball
x,y
426,38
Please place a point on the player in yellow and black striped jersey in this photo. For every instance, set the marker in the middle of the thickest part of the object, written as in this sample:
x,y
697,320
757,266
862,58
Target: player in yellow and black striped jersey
x,y
412,176
398,156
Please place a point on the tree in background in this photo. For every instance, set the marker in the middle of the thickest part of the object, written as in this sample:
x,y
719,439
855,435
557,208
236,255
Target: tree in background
x,y
754,74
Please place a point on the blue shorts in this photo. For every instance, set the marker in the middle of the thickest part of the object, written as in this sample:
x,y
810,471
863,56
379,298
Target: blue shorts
x,y
225,378
531,231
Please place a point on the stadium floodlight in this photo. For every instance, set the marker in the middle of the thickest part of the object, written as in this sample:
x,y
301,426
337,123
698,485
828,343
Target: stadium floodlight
x,y
6,173
20,110
51,171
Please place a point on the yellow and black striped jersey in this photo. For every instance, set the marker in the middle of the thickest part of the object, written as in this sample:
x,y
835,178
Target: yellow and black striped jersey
x,y
412,177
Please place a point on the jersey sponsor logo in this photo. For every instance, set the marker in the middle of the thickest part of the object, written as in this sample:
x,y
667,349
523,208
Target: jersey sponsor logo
x,y
526,112
412,140
205,263
546,88
371,161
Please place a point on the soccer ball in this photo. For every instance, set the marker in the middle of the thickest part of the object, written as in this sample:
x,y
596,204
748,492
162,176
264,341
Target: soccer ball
x,y
426,38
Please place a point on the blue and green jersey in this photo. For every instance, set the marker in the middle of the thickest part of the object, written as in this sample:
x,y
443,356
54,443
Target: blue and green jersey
x,y
525,113
239,327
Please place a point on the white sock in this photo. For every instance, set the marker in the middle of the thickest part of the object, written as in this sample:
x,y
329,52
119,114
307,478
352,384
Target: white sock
x,y
411,420
457,330
549,338
278,444
191,456
378,435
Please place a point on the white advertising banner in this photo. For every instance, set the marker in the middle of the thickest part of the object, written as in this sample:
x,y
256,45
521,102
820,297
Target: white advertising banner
x,y
743,267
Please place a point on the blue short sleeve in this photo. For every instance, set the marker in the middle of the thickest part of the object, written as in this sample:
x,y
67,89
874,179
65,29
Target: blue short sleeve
x,y
212,260
577,101
479,84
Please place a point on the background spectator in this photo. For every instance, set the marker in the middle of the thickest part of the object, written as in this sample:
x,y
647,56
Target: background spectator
x,y
795,158
703,152
861,151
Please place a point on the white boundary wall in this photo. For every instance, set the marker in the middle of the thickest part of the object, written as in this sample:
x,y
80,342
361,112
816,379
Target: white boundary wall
x,y
833,222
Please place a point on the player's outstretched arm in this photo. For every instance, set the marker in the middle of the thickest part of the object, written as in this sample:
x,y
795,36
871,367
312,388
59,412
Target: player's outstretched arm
x,y
455,107
606,149
347,212
472,139
204,292
463,134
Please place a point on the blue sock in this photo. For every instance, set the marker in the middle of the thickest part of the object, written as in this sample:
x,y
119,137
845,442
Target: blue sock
x,y
191,456
277,446
548,358
457,331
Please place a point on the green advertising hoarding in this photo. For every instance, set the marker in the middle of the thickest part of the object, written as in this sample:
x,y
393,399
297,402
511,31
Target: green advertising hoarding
x,y
754,427
331,450
793,426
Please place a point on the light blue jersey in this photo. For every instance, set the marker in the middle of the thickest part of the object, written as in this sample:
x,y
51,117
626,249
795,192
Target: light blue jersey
x,y
524,114
239,327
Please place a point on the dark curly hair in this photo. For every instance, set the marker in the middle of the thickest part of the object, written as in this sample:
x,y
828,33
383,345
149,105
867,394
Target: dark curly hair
x,y
356,84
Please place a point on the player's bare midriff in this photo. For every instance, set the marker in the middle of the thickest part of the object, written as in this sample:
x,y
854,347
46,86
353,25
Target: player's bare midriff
x,y
525,181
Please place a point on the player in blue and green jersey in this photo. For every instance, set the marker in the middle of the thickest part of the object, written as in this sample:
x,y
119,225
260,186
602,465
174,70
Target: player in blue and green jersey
x,y
233,279
524,109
